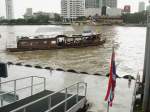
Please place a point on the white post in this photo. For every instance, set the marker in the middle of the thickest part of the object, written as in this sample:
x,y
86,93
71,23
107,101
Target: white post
x,y
15,90
77,98
24,110
31,85
108,107
44,84
49,103
85,89
146,71
0,83
0,90
66,95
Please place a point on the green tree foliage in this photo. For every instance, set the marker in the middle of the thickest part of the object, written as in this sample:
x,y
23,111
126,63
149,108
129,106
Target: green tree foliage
x,y
137,18
81,18
38,19
42,18
57,17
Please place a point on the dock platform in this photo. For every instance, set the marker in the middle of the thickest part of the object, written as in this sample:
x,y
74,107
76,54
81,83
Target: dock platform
x,y
48,101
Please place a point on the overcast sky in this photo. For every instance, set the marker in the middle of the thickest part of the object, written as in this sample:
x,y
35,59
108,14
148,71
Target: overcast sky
x,y
54,6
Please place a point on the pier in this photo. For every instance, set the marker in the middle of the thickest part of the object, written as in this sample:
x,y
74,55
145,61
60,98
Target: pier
x,y
68,99
95,90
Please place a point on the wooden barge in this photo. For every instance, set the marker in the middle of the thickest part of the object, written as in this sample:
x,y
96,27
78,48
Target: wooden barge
x,y
58,42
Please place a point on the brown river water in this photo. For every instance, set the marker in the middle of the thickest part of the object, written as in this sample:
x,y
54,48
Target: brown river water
x,y
129,43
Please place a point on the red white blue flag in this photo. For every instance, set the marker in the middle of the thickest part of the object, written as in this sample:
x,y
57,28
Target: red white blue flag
x,y
112,80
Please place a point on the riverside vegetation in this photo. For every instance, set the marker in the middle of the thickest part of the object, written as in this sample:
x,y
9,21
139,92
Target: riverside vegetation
x,y
128,18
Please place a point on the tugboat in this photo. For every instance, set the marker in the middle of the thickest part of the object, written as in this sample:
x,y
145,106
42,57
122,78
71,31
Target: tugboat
x,y
45,42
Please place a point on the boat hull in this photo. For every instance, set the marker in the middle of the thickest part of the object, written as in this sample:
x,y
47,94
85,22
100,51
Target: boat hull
x,y
57,47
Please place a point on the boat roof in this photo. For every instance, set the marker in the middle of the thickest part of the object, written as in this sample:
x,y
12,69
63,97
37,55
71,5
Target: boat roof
x,y
52,36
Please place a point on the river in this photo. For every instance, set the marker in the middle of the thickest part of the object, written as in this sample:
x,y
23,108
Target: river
x,y
129,46
129,42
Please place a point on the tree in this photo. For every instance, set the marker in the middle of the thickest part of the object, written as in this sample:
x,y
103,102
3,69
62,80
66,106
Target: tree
x,y
42,18
81,18
138,18
57,17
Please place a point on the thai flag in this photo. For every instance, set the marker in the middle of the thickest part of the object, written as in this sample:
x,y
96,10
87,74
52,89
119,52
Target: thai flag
x,y
112,80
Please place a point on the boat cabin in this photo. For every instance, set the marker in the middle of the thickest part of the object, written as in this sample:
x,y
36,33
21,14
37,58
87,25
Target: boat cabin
x,y
58,41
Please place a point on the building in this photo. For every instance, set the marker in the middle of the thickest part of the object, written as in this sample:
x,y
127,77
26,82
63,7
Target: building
x,y
9,9
104,2
93,3
113,12
2,18
148,7
110,3
141,6
100,3
107,5
72,9
127,9
39,13
93,7
92,12
28,14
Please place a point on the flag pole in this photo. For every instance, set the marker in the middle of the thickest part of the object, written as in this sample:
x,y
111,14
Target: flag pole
x,y
108,107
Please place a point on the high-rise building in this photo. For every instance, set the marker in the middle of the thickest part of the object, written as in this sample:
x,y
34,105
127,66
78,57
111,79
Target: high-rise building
x,y
148,7
104,2
93,3
29,11
111,3
93,7
72,9
2,17
141,6
100,3
9,9
127,9
28,14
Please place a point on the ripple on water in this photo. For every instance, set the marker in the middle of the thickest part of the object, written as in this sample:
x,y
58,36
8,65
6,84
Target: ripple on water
x,y
129,49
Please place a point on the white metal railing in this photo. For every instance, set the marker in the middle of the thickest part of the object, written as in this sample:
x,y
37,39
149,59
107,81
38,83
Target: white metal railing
x,y
134,94
15,89
49,97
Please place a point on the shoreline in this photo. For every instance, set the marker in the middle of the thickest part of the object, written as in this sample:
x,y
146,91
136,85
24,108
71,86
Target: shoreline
x,y
69,24
135,25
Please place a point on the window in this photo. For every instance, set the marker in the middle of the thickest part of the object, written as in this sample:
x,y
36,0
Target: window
x,y
45,42
24,43
53,42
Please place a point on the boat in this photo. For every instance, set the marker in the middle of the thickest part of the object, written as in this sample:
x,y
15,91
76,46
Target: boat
x,y
87,33
45,42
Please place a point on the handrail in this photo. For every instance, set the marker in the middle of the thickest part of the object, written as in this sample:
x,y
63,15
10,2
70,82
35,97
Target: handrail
x,y
61,103
47,96
22,88
134,95
32,85
15,80
20,79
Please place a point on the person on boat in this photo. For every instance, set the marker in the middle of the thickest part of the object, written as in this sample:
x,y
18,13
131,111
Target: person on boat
x,y
60,41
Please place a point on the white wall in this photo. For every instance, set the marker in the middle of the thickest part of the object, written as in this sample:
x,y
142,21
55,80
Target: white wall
x,y
113,12
92,11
